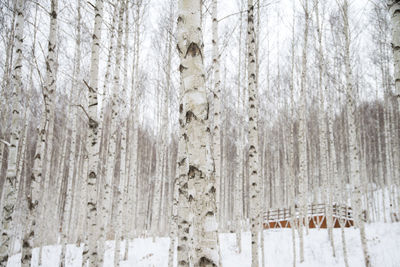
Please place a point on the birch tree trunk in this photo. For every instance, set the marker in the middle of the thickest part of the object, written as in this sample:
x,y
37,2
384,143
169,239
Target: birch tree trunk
x,y
10,185
106,206
351,98
303,181
292,175
92,144
217,103
49,98
74,135
195,107
122,196
240,152
172,229
46,140
394,10
253,137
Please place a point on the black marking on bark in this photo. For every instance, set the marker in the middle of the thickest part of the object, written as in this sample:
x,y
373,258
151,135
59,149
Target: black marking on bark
x,y
212,190
205,261
182,68
181,162
189,116
179,49
92,175
93,124
193,50
192,171
54,14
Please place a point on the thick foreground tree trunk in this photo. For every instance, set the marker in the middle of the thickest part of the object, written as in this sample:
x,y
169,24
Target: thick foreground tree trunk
x,y
195,107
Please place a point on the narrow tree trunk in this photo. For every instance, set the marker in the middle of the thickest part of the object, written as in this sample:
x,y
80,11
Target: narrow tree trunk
x,y
351,97
253,137
10,189
394,10
106,206
49,98
74,135
217,103
45,136
303,181
239,152
92,144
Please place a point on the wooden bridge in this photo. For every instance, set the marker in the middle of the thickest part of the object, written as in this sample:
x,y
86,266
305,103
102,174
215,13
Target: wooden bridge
x,y
316,217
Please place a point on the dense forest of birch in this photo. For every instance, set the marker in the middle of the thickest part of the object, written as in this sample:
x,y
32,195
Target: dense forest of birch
x,y
128,118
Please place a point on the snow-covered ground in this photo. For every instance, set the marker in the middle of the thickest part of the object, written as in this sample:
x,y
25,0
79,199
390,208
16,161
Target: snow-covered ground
x,y
383,245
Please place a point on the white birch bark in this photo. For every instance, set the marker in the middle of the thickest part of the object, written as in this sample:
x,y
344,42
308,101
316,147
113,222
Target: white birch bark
x,y
354,148
49,98
292,185
92,144
106,207
172,230
121,196
104,105
155,209
112,151
394,10
183,218
323,131
240,153
303,181
134,103
253,137
201,189
10,189
45,145
74,174
217,104
72,116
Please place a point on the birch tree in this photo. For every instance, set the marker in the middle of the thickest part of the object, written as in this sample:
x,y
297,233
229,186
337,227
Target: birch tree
x,y
351,98
253,136
74,136
10,186
44,144
92,144
303,181
217,101
239,147
106,206
195,107
394,10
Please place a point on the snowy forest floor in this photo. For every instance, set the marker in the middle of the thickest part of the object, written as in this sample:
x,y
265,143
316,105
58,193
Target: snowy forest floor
x,y
383,245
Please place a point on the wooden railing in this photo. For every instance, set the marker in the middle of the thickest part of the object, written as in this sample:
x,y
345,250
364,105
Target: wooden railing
x,y
338,211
